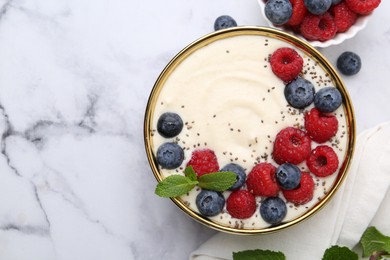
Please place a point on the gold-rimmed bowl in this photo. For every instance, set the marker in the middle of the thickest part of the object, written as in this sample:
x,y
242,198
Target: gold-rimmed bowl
x,y
179,62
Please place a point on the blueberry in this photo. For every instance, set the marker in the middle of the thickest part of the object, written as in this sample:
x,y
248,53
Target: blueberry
x,y
169,124
335,2
210,203
278,11
223,22
328,99
239,171
170,155
299,93
273,210
349,63
318,7
288,176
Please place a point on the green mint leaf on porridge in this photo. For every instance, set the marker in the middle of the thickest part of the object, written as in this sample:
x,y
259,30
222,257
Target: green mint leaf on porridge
x,y
339,253
374,241
258,254
217,181
190,173
174,186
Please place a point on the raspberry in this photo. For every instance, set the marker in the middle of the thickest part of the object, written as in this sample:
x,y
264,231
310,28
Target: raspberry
x,y
344,18
261,181
304,193
291,145
286,63
241,204
298,12
318,27
362,6
320,126
323,161
203,161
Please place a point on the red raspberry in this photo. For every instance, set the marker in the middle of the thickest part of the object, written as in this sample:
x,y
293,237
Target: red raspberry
x,y
344,18
291,145
299,11
323,161
362,6
304,193
241,204
203,161
261,181
320,126
286,63
318,27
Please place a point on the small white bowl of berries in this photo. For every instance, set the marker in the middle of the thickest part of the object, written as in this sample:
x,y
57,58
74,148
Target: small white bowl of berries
x,y
320,22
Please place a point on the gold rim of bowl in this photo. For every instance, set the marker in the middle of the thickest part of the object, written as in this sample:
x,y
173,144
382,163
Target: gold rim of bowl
x,y
272,33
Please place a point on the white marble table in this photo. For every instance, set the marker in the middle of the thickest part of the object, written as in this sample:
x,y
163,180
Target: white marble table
x,y
75,76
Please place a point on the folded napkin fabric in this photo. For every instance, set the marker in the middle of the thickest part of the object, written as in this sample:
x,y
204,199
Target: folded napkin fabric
x,y
362,200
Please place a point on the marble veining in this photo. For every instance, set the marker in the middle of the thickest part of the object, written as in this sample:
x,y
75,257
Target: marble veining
x,y
75,77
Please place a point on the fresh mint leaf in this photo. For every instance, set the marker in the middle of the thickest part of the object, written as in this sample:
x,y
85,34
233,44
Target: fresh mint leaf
x,y
339,253
174,186
217,181
258,254
190,173
374,241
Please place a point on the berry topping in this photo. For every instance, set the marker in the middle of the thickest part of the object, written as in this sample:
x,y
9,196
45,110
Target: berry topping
x,y
273,210
239,171
303,193
278,11
286,63
344,18
288,176
362,6
323,161
328,99
319,126
170,155
261,180
299,11
204,161
210,203
223,22
349,63
169,124
335,2
299,93
318,7
318,28
241,204
291,145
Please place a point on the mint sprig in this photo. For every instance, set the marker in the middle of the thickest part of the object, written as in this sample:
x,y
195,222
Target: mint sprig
x,y
339,253
177,185
258,254
374,242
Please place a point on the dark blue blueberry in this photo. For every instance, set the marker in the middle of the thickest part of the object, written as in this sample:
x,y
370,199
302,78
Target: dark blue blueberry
x,y
223,22
170,155
349,63
239,171
299,93
288,176
273,210
335,2
169,124
328,99
278,11
210,203
318,7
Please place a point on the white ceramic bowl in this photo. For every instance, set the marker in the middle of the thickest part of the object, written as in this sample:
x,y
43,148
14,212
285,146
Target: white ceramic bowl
x,y
360,23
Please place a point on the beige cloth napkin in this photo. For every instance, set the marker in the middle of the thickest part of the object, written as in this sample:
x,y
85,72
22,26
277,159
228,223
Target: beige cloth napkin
x,y
362,200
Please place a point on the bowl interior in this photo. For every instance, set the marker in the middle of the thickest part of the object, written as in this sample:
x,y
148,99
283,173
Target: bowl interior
x,y
232,32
